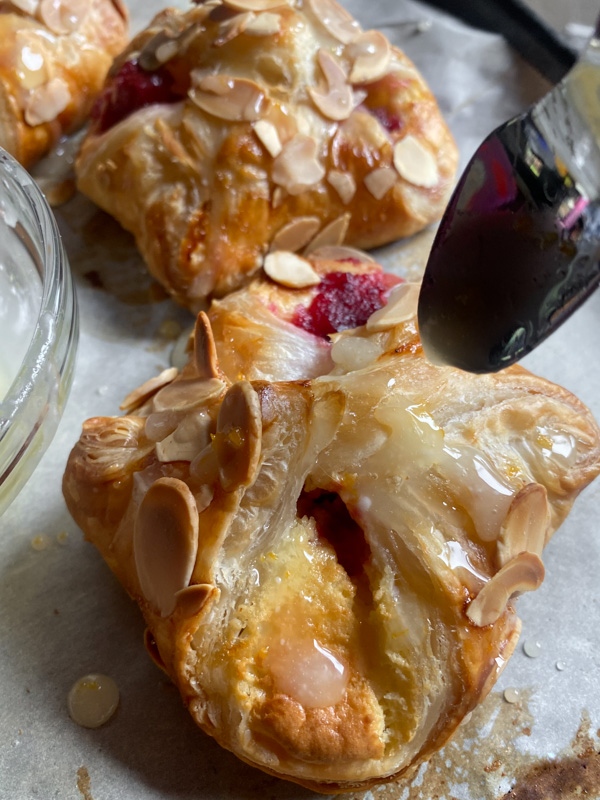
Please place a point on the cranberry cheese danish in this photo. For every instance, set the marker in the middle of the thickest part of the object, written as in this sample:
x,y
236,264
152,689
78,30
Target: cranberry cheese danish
x,y
328,567
247,125
54,56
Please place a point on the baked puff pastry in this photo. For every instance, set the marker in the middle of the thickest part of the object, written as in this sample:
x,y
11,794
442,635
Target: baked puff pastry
x,y
54,57
328,567
248,125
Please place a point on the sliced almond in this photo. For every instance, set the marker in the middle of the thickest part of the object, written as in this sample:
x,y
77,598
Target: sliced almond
x,y
205,467
233,99
526,524
204,497
296,168
139,396
343,183
524,573
266,24
255,5
341,254
45,103
192,599
237,441
205,357
293,236
290,270
278,197
165,542
401,306
188,439
269,137
371,55
380,181
336,102
158,50
231,28
185,393
340,24
415,163
63,16
28,6
332,235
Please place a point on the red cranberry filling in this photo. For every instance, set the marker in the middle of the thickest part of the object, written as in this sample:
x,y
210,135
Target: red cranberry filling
x,y
344,300
391,122
130,89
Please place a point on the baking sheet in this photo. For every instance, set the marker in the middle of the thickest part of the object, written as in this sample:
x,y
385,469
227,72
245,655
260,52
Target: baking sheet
x,y
64,615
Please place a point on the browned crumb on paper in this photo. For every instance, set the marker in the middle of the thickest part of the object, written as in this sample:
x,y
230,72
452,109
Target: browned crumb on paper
x,y
84,783
576,774
485,753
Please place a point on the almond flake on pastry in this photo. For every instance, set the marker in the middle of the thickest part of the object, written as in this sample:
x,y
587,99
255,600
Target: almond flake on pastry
x,y
291,270
371,55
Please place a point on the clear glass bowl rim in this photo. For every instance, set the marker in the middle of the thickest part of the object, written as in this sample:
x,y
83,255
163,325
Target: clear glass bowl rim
x,y
50,344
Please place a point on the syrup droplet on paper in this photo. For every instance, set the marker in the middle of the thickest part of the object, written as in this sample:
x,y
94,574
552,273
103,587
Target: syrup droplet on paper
x,y
93,700
560,666
511,695
40,542
532,648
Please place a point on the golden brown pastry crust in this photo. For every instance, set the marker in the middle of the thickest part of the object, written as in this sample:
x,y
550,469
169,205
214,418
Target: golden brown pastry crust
x,y
345,548
205,184
54,57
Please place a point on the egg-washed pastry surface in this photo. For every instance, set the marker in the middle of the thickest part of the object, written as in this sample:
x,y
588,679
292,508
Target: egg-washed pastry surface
x,y
54,57
328,566
247,125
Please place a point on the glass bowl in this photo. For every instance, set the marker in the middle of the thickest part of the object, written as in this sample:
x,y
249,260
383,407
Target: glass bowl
x,y
38,327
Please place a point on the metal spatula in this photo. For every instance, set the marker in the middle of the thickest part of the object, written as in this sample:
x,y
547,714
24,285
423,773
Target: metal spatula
x,y
518,249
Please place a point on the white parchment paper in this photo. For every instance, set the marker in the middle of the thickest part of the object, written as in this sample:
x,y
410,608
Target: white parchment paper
x,y
63,615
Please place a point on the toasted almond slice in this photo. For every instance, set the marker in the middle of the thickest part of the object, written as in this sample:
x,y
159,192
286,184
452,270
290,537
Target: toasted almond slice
x,y
296,168
237,441
205,466
523,573
341,254
343,183
188,439
337,102
28,6
332,235
205,357
158,50
415,163
371,54
526,524
185,393
233,99
255,5
340,24
45,103
204,497
290,270
380,181
139,396
278,197
265,24
63,16
268,135
401,306
165,542
231,28
192,599
293,236
152,649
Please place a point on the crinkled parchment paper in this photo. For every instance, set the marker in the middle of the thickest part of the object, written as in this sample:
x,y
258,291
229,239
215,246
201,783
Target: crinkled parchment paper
x,y
63,615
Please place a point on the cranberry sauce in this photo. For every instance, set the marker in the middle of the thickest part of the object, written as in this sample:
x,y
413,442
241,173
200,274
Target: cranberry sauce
x,y
344,300
130,89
